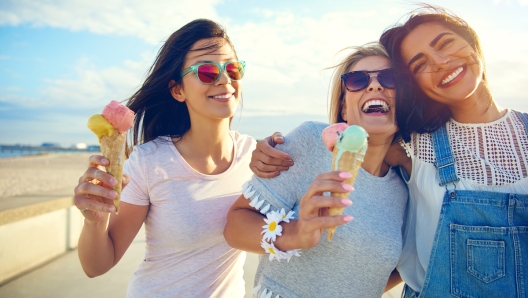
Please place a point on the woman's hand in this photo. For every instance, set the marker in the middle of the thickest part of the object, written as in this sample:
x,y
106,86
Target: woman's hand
x,y
268,162
94,195
313,212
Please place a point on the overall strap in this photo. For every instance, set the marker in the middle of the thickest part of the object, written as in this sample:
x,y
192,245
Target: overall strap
x,y
524,118
445,162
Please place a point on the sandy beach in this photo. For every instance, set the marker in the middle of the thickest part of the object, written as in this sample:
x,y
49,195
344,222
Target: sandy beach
x,y
40,173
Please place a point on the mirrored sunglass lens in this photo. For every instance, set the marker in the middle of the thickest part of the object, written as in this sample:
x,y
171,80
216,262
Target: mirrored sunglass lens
x,y
235,70
208,73
356,81
386,78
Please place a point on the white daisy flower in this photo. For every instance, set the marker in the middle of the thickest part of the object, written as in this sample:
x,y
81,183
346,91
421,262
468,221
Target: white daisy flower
x,y
286,217
272,250
272,229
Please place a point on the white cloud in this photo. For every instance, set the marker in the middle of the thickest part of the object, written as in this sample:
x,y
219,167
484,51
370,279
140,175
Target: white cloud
x,y
506,64
91,87
286,61
96,87
286,53
521,2
144,19
284,73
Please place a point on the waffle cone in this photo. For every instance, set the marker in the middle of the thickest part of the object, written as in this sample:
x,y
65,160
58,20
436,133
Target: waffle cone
x,y
348,162
113,148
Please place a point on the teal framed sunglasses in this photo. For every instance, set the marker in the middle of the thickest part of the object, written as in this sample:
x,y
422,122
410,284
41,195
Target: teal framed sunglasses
x,y
209,72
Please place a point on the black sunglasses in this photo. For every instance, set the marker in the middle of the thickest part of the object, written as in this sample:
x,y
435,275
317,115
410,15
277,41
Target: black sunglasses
x,y
358,80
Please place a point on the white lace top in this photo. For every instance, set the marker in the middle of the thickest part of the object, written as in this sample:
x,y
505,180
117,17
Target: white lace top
x,y
494,153
489,157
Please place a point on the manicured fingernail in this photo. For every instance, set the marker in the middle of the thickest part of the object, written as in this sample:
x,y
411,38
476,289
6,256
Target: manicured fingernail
x,y
112,194
346,202
113,181
346,187
347,218
277,173
111,209
345,175
105,161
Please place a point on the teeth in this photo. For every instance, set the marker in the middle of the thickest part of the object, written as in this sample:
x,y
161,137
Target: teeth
x,y
376,102
452,76
222,96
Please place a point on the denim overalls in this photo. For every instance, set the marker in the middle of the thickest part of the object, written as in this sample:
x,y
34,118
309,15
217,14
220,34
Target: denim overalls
x,y
480,247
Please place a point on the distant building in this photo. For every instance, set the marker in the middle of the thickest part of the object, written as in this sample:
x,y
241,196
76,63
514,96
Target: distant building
x,y
50,145
81,146
94,148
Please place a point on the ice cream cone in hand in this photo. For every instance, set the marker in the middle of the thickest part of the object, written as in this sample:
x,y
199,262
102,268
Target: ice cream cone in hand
x,y
348,145
110,127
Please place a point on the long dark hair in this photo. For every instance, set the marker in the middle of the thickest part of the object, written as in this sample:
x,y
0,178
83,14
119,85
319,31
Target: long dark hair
x,y
157,112
415,111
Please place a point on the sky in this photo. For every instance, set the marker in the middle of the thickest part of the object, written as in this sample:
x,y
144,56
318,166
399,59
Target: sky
x,y
64,60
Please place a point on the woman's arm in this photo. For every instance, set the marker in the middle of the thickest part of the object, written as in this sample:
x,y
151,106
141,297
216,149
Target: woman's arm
x,y
396,156
244,223
104,238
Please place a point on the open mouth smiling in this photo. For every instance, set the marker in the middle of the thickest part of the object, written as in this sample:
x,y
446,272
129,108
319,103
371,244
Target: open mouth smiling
x,y
222,97
375,106
452,76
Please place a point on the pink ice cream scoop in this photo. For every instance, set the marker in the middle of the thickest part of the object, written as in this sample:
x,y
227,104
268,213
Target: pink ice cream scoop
x,y
331,133
121,117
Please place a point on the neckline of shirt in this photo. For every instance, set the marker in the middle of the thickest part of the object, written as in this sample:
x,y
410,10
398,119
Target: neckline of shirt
x,y
487,124
387,176
200,175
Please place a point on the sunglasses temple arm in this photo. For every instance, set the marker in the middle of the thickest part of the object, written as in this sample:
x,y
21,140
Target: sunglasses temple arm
x,y
186,71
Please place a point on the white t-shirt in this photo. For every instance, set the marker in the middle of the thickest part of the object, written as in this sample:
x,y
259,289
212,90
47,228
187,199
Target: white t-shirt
x,y
489,157
186,254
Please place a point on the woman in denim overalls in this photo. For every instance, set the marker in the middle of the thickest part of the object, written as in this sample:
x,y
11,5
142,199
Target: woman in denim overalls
x,y
465,161
467,175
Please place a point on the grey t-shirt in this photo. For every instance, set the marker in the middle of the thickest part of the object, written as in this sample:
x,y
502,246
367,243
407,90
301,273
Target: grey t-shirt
x,y
362,254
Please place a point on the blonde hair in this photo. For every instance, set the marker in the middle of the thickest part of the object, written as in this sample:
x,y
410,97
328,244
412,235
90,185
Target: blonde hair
x,y
338,90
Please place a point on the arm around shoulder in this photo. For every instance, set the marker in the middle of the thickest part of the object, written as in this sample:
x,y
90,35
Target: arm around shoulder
x,y
397,156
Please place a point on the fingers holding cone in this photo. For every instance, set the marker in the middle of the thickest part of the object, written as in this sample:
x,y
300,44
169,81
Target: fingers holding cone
x,y
348,145
93,193
110,128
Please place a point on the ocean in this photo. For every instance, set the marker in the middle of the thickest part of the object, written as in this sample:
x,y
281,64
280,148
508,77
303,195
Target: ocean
x,y
6,152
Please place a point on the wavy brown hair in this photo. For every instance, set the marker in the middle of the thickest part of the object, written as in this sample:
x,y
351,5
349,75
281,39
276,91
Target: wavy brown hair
x,y
415,111
157,112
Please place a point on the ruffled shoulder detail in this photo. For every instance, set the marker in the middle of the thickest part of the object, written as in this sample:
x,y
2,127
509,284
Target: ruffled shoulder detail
x,y
261,292
256,202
